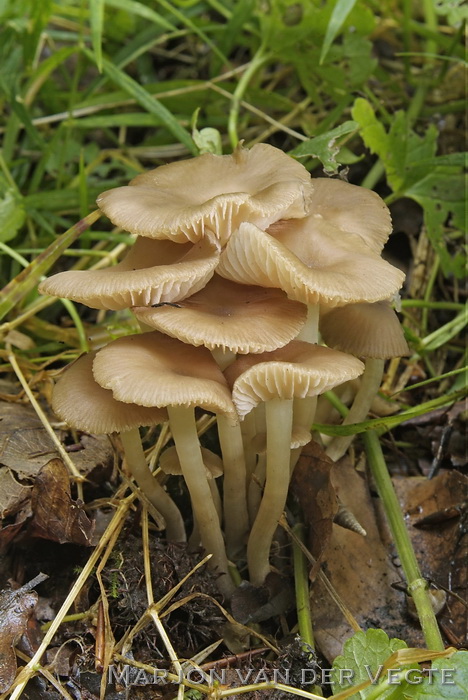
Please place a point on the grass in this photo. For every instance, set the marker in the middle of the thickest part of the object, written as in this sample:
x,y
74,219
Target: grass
x,y
95,91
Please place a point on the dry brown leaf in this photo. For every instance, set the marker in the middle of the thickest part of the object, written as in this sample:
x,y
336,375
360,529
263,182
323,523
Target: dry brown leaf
x,y
12,494
441,546
55,515
16,608
361,572
315,492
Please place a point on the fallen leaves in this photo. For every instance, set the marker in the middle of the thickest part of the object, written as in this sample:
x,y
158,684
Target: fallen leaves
x,y
359,568
16,607
56,516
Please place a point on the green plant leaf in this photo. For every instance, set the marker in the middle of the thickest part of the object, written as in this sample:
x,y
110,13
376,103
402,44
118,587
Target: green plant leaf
x,y
96,10
363,657
325,146
337,20
413,170
448,680
12,215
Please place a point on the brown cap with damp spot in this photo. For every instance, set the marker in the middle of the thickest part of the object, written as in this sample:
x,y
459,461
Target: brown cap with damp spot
x,y
365,330
182,200
311,266
152,369
83,404
152,272
231,316
295,371
170,464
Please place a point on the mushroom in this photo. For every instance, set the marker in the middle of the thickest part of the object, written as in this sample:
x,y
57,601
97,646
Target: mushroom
x,y
152,272
299,369
371,331
85,405
164,372
229,316
243,319
182,200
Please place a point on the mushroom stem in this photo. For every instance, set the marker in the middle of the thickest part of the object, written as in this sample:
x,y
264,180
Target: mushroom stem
x,y
304,413
194,539
309,332
254,495
236,519
279,415
150,486
248,430
184,432
304,409
370,383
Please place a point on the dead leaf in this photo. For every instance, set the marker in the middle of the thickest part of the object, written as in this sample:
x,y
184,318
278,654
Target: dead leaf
x,y
441,546
55,515
16,608
361,572
313,488
12,493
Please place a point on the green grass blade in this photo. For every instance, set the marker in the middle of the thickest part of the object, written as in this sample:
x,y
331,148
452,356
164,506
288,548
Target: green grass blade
x,y
382,425
137,8
145,100
338,18
96,8
28,278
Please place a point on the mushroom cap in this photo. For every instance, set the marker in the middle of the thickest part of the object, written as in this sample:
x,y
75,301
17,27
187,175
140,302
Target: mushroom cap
x,y
170,463
365,330
311,264
151,272
350,209
295,371
84,405
228,315
182,199
152,369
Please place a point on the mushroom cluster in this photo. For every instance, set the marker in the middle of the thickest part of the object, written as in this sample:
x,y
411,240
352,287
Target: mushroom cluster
x,y
236,262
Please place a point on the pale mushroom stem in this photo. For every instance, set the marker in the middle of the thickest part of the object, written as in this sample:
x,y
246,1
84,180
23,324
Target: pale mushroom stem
x,y
236,519
248,430
371,380
309,332
304,413
150,486
257,481
195,539
184,432
279,416
304,409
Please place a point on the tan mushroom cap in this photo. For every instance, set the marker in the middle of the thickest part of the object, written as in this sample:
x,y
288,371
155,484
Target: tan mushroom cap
x,y
152,369
170,463
83,404
151,272
308,263
365,330
349,209
298,370
183,199
229,315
